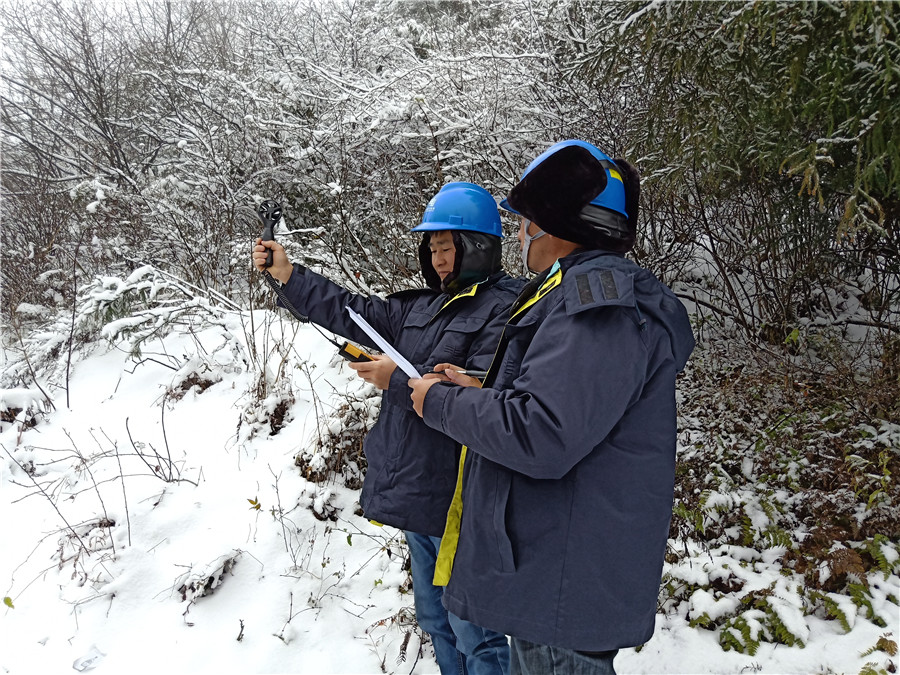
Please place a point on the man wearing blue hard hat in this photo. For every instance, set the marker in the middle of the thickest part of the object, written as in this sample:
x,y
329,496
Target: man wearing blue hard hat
x,y
557,532
411,470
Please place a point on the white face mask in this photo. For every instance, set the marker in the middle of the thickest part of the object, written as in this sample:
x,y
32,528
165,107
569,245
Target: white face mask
x,y
526,245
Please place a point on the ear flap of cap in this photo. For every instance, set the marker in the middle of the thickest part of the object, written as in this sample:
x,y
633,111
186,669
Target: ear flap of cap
x,y
632,181
478,256
553,193
448,282
432,279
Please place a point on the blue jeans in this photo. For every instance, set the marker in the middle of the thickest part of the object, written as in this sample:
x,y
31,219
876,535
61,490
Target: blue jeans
x,y
486,651
460,647
528,658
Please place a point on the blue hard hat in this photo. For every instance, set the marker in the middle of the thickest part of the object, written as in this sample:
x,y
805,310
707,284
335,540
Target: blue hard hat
x,y
612,198
461,206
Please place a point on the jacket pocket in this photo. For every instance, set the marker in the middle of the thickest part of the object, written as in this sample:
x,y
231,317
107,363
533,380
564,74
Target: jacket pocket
x,y
504,544
517,338
456,339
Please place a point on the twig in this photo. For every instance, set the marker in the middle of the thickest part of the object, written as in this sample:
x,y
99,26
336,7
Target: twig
x,y
53,504
12,578
143,361
165,438
74,311
209,292
124,494
37,384
154,472
288,547
94,482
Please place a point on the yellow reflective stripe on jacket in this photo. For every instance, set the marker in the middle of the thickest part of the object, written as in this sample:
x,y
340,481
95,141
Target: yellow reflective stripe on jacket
x,y
465,293
549,284
450,540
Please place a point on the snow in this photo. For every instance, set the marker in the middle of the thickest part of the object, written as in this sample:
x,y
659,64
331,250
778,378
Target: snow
x,y
220,561
22,398
30,309
705,603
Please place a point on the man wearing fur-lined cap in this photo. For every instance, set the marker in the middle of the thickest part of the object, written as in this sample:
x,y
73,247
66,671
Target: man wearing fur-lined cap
x,y
557,534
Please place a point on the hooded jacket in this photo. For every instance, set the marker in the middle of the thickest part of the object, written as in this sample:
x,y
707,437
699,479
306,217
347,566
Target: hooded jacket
x,y
568,476
411,468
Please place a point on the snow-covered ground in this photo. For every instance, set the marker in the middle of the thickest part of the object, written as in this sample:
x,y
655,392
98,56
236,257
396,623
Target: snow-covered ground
x,y
217,556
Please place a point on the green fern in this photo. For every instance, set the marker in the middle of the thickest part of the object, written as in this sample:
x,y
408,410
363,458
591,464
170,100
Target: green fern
x,y
747,530
737,634
718,508
782,633
772,509
730,639
703,621
863,599
775,536
775,628
833,610
875,548
692,517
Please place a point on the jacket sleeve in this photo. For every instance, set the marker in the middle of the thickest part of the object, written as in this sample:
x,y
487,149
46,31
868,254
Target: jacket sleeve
x,y
578,376
324,302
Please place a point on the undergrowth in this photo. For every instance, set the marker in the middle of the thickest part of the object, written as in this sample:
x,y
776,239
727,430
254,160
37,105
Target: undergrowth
x,y
787,505
338,450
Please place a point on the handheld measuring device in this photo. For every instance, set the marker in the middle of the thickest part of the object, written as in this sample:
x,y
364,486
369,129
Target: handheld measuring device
x,y
353,353
269,212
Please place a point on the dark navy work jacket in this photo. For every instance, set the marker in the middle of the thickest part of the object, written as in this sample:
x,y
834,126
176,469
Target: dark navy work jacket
x,y
412,468
568,480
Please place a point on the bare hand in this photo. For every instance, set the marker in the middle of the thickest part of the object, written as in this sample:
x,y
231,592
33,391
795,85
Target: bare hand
x,y
451,373
281,268
420,389
377,371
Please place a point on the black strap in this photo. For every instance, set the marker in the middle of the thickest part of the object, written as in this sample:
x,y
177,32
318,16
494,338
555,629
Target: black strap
x,y
289,306
279,291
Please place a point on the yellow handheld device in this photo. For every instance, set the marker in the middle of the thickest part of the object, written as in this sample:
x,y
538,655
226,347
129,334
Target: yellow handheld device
x,y
353,353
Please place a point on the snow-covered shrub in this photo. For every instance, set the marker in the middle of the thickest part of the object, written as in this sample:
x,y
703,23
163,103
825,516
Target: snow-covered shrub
x,y
202,580
129,312
147,304
338,451
267,408
22,406
196,375
77,545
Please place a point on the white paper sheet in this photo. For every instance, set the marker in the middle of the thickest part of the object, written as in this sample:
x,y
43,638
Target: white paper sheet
x,y
385,346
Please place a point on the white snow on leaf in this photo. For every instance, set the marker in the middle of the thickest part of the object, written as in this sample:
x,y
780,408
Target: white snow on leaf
x,y
787,603
703,602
